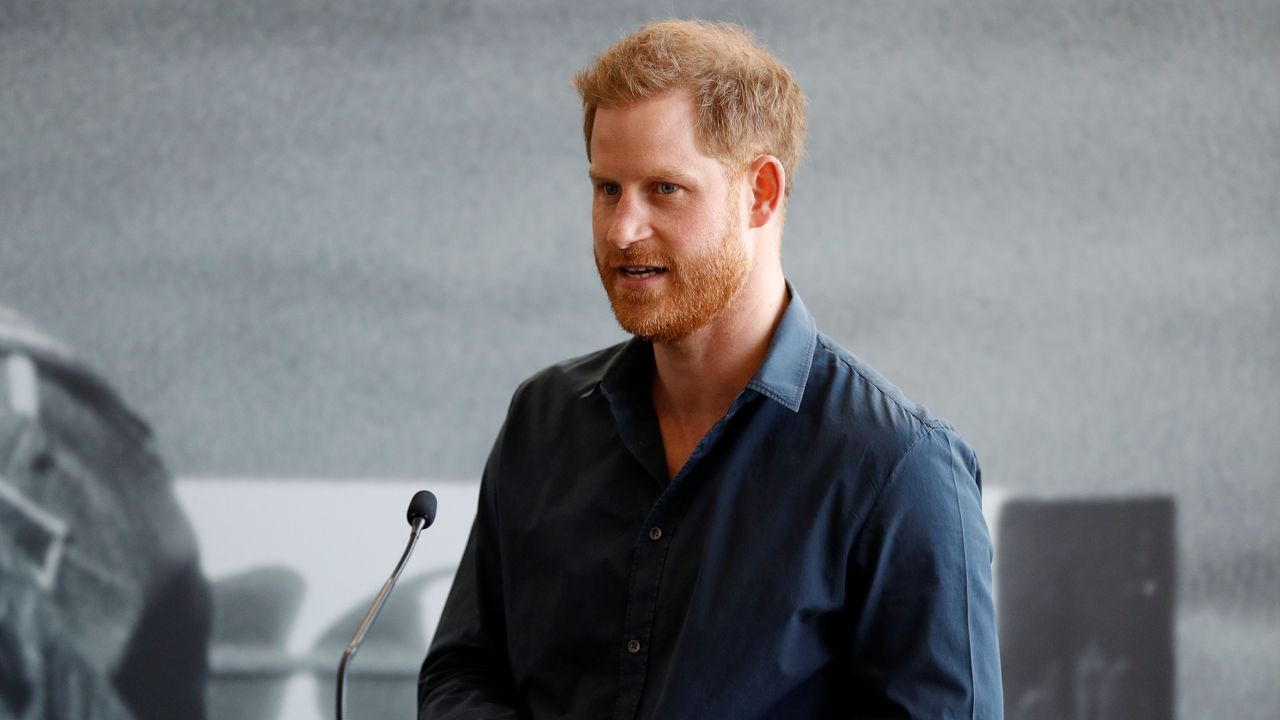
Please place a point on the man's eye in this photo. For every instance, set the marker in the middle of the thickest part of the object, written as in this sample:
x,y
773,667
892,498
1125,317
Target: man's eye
x,y
667,188
609,189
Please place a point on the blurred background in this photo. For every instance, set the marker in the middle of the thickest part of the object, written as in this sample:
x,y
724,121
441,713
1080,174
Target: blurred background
x,y
316,245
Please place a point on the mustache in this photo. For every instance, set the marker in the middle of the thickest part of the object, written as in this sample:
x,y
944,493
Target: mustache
x,y
632,255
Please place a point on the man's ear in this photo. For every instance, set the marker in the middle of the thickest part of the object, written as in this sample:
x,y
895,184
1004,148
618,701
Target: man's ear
x,y
768,182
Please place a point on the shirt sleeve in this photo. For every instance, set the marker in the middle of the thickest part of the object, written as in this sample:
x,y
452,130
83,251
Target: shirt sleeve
x,y
924,636
466,673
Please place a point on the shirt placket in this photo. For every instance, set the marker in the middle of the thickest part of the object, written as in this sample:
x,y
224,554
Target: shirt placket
x,y
652,544
651,548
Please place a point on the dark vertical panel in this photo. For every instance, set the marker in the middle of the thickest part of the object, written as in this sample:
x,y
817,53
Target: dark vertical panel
x,y
1085,601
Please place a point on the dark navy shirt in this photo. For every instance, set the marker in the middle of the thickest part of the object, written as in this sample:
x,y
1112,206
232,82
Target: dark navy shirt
x,y
821,554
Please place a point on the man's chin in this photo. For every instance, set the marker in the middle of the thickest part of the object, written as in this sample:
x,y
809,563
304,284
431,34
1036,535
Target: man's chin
x,y
645,320
659,335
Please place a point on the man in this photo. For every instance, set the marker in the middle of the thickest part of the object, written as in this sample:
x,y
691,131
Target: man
x,y
728,516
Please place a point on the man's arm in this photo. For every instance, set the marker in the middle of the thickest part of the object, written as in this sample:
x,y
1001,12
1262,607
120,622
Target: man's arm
x,y
466,673
924,642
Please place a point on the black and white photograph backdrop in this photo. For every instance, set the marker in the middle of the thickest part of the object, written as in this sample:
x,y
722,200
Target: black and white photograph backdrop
x,y
270,266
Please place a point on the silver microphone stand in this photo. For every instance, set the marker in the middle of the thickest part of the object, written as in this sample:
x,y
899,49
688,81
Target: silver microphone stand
x,y
417,522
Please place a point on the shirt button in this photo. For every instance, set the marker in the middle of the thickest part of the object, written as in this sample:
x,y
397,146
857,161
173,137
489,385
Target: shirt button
x,y
633,646
655,533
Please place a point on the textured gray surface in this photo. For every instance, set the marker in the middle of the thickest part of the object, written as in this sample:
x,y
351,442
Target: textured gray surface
x,y
329,238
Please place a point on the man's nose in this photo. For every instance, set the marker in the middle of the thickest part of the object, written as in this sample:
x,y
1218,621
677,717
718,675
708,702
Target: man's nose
x,y
631,221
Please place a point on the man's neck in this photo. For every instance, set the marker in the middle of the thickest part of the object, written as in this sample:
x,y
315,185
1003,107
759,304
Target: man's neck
x,y
706,370
696,379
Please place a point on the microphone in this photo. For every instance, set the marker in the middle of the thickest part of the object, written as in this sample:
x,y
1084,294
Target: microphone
x,y
423,506
421,513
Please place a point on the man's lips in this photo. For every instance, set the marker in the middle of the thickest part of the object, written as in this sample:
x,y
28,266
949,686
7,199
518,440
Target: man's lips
x,y
640,272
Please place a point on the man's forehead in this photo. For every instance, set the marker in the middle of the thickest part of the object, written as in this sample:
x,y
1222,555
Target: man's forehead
x,y
664,114
656,137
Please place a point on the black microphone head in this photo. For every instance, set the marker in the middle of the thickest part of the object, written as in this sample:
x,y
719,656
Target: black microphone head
x,y
423,505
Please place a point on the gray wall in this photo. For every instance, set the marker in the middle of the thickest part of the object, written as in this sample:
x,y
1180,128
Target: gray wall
x,y
328,239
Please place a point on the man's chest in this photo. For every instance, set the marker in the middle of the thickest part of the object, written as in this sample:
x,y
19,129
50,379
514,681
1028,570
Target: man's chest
x,y
633,583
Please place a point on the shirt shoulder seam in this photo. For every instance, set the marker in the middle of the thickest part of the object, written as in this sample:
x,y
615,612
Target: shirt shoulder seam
x,y
882,488
842,355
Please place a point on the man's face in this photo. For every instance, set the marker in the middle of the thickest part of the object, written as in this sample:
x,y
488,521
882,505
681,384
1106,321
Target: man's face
x,y
666,219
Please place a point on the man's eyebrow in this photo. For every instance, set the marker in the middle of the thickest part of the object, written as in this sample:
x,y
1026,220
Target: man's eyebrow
x,y
676,174
661,174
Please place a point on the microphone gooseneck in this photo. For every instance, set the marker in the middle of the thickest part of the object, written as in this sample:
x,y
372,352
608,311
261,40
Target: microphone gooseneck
x,y
422,512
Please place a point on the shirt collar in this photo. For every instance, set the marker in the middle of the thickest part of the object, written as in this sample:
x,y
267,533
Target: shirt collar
x,y
782,376
785,370
630,366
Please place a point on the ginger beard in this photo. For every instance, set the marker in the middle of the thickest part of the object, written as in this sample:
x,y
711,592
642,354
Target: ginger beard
x,y
695,289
